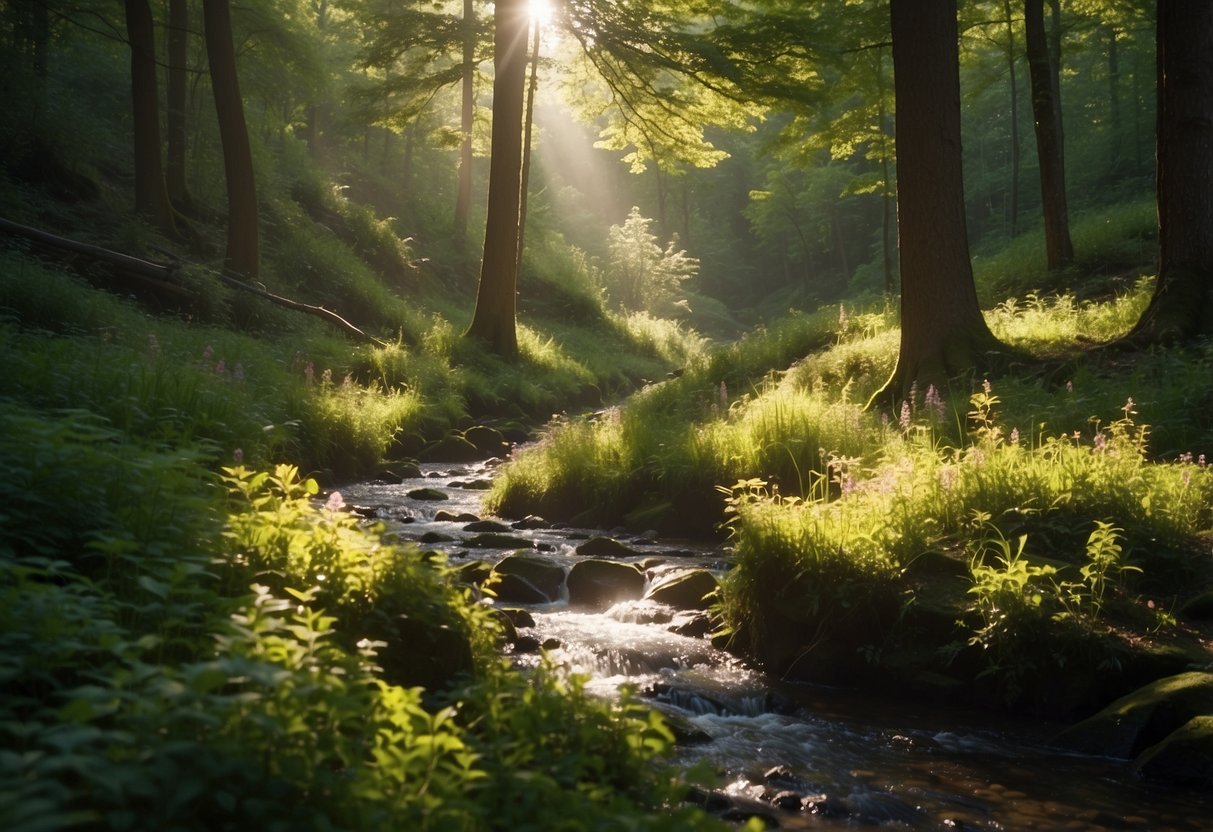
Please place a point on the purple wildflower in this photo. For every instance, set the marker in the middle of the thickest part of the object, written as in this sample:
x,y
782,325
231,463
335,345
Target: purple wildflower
x,y
934,402
1014,436
238,456
904,419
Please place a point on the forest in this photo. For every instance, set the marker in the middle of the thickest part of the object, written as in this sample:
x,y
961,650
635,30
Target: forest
x,y
591,415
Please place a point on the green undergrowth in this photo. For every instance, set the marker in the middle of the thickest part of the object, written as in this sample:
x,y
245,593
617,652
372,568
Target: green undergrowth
x,y
830,507
189,639
180,650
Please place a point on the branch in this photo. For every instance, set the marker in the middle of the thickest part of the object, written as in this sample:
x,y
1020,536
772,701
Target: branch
x,y
163,277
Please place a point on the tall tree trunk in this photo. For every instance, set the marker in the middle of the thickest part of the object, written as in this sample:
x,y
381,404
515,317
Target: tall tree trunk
x,y
493,321
942,329
1182,305
175,103
1013,210
151,195
1046,110
242,237
463,198
1115,121
528,121
886,188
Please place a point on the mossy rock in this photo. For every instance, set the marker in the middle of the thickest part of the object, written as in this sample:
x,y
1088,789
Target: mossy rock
x,y
543,575
451,448
1144,718
487,441
1184,758
685,590
600,583
605,547
487,526
515,589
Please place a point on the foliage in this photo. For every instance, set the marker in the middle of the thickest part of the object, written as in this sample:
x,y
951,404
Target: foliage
x,y
639,276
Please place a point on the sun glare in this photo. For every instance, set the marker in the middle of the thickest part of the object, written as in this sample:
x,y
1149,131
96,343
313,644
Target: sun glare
x,y
541,10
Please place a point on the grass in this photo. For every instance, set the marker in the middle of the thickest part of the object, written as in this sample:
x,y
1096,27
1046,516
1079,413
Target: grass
x,y
190,639
831,508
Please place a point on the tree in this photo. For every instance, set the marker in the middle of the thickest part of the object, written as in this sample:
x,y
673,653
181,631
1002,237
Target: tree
x,y
641,276
942,329
175,96
1182,305
493,321
1046,110
242,257
463,200
151,194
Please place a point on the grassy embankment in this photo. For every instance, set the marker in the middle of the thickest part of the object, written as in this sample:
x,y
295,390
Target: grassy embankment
x,y
975,543
187,639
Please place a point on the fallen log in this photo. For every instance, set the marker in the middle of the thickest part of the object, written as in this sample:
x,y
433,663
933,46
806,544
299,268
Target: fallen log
x,y
164,277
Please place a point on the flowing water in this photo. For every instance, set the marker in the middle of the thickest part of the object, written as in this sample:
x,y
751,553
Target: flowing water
x,y
806,757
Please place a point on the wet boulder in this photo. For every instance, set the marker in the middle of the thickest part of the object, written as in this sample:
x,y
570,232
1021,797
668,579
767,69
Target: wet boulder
x,y
428,495
598,584
448,517
685,590
1184,757
487,526
539,574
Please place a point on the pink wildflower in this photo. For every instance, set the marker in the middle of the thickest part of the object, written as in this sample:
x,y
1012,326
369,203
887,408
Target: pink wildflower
x,y
934,402
309,372
238,456
1014,436
335,502
904,419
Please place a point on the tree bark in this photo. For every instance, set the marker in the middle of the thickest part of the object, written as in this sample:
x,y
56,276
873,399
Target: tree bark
x,y
943,331
175,101
1046,111
494,319
151,195
528,121
1182,306
241,258
463,199
1013,209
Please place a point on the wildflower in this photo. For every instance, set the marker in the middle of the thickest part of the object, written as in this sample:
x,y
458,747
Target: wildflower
x,y
335,502
1186,457
724,397
986,387
1101,442
913,395
326,378
347,383
208,354
904,419
309,372
238,456
947,477
221,367
1128,408
1069,387
1014,436
934,402
843,321
1200,460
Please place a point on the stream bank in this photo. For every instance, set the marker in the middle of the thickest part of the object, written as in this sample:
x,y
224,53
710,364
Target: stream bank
x,y
798,755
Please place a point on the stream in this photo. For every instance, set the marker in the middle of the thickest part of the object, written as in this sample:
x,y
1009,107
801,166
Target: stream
x,y
805,757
